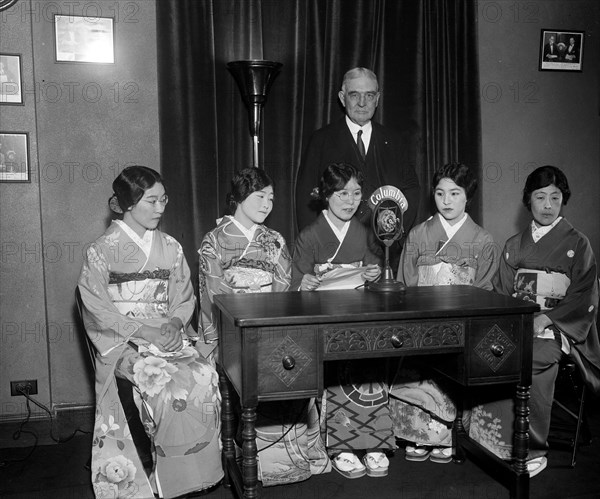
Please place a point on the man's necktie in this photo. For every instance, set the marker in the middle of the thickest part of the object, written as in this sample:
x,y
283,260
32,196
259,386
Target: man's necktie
x,y
360,144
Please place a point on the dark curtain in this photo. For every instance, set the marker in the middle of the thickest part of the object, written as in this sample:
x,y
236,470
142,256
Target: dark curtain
x,y
423,51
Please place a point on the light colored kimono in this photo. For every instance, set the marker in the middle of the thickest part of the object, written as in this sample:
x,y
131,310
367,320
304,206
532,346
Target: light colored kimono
x,y
126,282
234,260
420,402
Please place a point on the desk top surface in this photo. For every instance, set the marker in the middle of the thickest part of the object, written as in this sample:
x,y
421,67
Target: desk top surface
x,y
320,307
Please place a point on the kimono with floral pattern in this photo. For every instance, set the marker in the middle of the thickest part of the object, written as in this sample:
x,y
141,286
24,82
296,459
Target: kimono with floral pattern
x,y
421,402
177,393
288,440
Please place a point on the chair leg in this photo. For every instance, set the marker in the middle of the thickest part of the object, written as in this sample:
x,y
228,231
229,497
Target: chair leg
x,y
578,426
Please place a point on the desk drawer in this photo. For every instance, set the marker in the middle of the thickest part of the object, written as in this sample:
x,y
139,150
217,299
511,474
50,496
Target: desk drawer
x,y
412,337
288,360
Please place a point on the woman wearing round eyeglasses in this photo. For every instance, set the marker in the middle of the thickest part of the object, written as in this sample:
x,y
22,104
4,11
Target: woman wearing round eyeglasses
x,y
138,301
355,402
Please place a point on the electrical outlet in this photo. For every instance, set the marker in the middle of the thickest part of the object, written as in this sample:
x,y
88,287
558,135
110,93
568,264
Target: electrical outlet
x,y
28,386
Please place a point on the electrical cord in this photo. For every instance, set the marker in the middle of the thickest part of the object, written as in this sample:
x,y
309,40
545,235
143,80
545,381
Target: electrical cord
x,y
292,426
17,434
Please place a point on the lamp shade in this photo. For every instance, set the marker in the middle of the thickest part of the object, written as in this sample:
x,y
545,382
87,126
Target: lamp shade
x,y
254,78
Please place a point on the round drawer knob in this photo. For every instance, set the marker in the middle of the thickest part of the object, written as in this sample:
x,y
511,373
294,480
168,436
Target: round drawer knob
x,y
396,341
288,362
497,350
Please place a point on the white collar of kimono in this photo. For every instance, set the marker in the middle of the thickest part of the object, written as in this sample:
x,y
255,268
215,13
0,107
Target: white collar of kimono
x,y
452,229
249,233
339,233
367,129
145,243
538,232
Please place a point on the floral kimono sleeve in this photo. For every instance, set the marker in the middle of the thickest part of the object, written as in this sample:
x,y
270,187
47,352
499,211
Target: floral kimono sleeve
x,y
212,282
283,269
181,292
105,325
408,272
487,263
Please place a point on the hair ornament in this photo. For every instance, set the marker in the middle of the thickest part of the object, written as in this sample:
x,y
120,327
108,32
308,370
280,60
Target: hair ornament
x,y
113,204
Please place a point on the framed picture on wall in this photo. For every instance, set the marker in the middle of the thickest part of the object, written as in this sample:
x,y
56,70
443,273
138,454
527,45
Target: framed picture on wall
x,y
11,85
14,157
84,39
561,50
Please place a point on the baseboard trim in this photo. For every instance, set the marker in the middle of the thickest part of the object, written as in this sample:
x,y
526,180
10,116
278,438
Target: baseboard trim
x,y
66,419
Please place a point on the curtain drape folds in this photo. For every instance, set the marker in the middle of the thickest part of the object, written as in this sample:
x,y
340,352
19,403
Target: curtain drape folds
x,y
424,53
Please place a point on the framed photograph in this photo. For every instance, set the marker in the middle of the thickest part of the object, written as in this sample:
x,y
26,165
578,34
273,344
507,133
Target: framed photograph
x,y
84,39
14,157
561,50
11,86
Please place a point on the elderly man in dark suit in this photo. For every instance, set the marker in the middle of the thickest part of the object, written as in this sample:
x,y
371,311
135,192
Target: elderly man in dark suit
x,y
357,140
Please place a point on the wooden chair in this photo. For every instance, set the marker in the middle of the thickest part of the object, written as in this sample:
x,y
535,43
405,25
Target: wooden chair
x,y
569,426
125,388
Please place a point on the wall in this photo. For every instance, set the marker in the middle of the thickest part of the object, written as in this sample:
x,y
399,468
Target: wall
x,y
85,123
532,118
80,140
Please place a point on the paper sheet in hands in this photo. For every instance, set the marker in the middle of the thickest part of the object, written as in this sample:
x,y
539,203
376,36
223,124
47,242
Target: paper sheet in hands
x,y
342,278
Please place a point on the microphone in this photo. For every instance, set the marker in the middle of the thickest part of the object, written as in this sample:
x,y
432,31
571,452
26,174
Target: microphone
x,y
388,205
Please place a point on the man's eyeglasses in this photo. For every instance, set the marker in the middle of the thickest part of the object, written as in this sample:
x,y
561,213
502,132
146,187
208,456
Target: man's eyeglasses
x,y
347,196
369,96
158,201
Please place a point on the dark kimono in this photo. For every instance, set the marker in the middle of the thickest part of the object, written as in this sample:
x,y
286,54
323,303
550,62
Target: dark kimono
x,y
355,401
558,272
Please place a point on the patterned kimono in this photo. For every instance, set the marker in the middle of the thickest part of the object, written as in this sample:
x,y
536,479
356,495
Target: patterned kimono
x,y
559,273
127,282
231,263
420,402
355,403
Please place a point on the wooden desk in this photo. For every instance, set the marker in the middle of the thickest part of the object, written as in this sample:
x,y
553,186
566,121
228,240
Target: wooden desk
x,y
272,347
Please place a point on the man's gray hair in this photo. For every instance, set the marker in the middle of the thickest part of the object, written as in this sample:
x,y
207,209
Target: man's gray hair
x,y
356,73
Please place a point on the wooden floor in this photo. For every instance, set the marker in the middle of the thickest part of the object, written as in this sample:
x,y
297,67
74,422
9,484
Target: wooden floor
x,y
58,471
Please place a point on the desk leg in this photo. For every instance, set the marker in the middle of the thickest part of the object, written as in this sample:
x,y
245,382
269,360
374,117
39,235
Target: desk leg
x,y
521,442
249,453
227,425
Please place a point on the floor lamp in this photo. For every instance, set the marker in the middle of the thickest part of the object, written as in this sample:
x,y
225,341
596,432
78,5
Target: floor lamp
x,y
254,77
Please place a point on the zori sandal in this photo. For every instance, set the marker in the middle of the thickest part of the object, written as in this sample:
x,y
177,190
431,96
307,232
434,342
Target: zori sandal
x,y
441,455
348,465
377,464
416,453
536,465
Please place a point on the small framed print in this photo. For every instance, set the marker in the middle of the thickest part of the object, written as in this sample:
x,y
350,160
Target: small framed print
x,y
11,85
14,157
84,39
561,50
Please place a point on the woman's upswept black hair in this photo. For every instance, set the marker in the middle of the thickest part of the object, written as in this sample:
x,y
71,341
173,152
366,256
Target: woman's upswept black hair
x,y
335,177
130,185
460,174
543,177
244,183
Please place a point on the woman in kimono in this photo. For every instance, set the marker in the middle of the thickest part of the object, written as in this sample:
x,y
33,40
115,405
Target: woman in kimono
x,y
355,403
449,248
242,255
552,264
137,304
